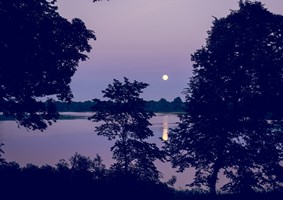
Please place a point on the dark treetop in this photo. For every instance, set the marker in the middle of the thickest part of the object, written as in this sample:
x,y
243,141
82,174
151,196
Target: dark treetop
x,y
234,104
40,51
125,120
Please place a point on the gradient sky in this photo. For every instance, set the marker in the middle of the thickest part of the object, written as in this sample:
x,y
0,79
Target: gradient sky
x,y
144,39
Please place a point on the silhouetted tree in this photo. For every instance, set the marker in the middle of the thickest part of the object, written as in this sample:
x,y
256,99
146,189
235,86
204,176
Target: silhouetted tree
x,y
99,169
233,103
81,168
124,120
163,104
1,153
177,104
80,163
40,51
63,169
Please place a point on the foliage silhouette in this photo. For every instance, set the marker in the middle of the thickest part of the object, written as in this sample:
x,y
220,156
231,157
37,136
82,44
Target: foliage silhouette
x,y
126,121
233,120
1,152
47,182
40,51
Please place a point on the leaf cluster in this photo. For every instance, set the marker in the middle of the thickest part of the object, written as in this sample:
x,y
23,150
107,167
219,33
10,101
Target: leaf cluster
x,y
40,51
125,120
233,119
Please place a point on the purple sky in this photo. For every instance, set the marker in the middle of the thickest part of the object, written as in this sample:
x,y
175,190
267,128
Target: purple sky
x,y
144,39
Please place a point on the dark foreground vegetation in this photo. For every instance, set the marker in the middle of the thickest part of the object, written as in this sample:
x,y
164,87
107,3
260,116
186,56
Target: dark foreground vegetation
x,y
83,178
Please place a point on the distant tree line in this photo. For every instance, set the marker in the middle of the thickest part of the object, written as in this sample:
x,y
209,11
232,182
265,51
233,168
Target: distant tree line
x,y
177,105
163,105
74,106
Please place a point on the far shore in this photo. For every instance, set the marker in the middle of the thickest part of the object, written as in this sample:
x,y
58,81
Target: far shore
x,y
83,115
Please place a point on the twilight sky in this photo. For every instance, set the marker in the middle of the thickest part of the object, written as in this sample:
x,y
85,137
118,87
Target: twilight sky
x,y
144,39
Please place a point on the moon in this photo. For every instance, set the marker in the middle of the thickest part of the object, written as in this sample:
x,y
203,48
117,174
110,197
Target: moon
x,y
165,77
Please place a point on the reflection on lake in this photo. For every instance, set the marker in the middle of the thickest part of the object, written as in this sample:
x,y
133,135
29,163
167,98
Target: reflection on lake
x,y
165,128
66,137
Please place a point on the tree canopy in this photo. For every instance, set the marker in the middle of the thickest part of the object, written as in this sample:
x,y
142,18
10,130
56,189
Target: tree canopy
x,y
125,120
233,103
40,52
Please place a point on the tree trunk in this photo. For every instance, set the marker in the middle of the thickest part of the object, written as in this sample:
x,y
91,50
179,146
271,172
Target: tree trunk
x,y
214,176
125,152
126,164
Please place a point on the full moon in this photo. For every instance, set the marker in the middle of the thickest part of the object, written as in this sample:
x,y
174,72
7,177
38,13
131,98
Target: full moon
x,y
165,77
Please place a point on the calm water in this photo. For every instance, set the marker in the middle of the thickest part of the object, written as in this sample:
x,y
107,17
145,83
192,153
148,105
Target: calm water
x,y
66,137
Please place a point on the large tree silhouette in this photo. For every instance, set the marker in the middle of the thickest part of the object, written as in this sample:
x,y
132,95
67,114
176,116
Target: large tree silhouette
x,y
125,120
233,118
40,51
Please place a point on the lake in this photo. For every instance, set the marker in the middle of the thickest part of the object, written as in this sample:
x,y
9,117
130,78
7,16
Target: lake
x,y
66,137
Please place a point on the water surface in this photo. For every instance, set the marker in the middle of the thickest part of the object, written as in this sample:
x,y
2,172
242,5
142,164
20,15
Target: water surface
x,y
76,134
